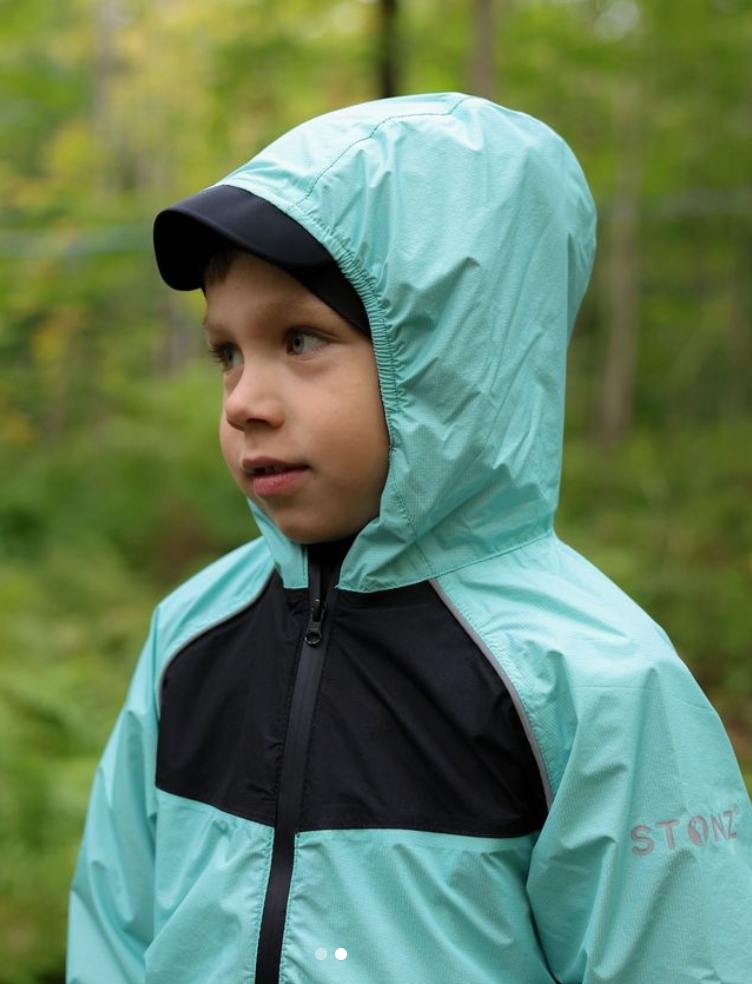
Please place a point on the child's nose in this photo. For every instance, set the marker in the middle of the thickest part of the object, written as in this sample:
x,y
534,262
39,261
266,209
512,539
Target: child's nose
x,y
254,397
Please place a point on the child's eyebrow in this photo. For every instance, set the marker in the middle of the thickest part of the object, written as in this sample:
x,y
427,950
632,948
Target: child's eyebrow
x,y
299,308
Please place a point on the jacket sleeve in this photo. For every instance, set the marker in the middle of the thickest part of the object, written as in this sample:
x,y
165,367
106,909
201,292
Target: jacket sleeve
x,y
643,869
110,916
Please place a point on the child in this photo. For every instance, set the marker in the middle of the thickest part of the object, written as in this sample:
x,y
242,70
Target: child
x,y
408,736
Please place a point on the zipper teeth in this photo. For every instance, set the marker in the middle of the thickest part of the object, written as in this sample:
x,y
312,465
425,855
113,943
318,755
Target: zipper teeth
x,y
289,801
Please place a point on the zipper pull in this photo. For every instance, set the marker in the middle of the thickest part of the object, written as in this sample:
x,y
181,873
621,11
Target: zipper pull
x,y
313,633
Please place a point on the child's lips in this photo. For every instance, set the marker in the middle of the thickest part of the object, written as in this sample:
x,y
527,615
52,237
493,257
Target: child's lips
x,y
275,483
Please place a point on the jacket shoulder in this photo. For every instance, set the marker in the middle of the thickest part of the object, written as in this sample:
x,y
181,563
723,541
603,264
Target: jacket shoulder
x,y
548,598
213,594
582,656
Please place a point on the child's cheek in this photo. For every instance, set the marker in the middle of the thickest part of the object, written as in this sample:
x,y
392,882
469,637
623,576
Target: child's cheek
x,y
230,441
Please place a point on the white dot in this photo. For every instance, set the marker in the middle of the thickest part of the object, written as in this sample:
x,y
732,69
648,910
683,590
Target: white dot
x,y
341,953
321,953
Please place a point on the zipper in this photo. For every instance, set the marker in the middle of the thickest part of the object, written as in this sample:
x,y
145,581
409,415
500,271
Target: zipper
x,y
314,632
289,799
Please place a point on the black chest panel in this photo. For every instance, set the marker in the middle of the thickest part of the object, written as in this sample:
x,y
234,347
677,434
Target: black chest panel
x,y
412,726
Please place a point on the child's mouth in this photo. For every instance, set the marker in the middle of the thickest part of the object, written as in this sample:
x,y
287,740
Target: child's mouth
x,y
271,483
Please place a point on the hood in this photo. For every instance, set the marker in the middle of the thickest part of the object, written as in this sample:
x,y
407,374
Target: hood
x,y
468,230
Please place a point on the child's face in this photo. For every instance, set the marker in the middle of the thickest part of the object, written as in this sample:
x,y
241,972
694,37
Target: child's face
x,y
300,386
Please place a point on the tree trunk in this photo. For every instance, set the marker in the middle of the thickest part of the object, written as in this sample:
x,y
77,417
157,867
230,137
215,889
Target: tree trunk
x,y
388,67
740,328
105,29
622,274
480,67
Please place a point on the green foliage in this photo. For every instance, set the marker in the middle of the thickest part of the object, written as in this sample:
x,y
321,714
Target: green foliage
x,y
667,517
95,531
113,488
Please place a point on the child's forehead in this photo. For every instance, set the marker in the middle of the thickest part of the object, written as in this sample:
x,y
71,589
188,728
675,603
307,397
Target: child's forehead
x,y
263,297
255,282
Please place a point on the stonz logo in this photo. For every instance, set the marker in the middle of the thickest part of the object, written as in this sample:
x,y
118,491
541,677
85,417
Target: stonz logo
x,y
697,831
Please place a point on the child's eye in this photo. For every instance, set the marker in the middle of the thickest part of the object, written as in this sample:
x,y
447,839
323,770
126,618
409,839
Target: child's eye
x,y
228,356
301,342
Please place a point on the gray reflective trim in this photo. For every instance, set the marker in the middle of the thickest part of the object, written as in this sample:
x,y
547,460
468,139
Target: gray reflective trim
x,y
535,747
207,628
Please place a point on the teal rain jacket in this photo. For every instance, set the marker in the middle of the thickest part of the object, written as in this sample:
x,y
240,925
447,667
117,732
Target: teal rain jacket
x,y
468,230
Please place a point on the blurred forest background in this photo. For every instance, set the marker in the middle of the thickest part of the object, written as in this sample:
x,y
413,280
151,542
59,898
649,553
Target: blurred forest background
x,y
112,487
